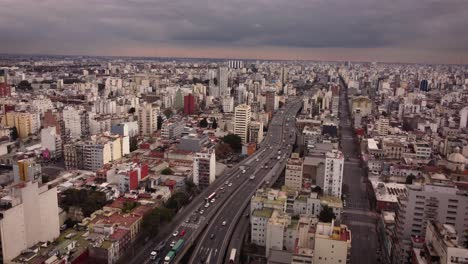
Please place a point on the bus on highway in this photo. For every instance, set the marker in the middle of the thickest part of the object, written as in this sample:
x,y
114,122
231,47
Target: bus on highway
x,y
232,257
208,199
169,257
178,246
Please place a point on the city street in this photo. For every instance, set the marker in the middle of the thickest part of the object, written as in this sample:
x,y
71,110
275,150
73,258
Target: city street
x,y
357,214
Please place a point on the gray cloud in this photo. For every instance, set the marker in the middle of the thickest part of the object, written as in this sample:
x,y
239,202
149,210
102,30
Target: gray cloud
x,y
73,26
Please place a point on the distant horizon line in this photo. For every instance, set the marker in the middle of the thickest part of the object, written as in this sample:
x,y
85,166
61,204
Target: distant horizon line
x,y
224,58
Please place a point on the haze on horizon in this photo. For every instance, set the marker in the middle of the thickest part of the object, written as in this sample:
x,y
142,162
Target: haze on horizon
x,y
427,31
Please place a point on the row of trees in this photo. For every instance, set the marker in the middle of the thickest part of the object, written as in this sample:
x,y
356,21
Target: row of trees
x,y
87,200
160,216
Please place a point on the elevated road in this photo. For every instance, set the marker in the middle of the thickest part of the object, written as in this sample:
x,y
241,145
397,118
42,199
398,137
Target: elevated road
x,y
212,245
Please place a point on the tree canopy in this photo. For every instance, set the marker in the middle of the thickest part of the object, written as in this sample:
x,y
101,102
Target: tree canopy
x,y
88,200
214,125
167,171
326,215
234,141
203,122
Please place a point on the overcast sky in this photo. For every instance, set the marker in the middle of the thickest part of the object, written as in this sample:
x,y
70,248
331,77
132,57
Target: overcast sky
x,y
381,30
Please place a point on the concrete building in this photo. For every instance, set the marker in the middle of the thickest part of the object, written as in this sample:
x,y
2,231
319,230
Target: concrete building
x,y
228,104
294,171
29,215
204,169
437,199
280,233
242,115
172,129
332,244
256,132
147,119
51,141
223,75
27,170
75,122
130,129
382,126
333,179
441,245
270,102
464,117
94,153
26,123
189,104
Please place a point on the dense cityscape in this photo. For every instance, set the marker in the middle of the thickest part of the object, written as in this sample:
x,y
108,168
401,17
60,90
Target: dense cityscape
x,y
140,160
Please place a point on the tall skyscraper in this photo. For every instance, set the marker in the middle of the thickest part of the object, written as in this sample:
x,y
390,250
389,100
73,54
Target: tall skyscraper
x,y
333,178
223,81
147,119
189,104
242,115
204,169
270,102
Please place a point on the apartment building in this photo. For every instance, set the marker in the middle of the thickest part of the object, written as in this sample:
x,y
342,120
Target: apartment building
x,y
436,199
333,179
332,244
28,215
204,168
242,115
294,171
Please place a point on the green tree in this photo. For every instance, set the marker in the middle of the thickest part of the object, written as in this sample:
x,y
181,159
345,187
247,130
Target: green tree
x,y
318,190
167,171
131,110
326,214
190,187
177,201
87,200
234,141
222,150
214,125
128,206
168,112
203,122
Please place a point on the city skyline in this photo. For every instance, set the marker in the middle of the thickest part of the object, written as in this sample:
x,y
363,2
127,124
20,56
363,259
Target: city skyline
x,y
364,30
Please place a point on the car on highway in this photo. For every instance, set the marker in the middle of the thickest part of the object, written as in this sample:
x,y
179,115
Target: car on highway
x,y
207,205
222,188
182,233
252,177
160,246
212,236
230,184
187,220
172,244
202,211
213,200
153,255
223,223
243,171
176,233
227,182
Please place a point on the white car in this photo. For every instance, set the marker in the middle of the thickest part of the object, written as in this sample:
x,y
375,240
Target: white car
x,y
176,233
230,184
213,200
223,223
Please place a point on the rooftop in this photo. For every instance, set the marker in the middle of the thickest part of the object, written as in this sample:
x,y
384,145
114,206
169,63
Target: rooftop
x,y
264,213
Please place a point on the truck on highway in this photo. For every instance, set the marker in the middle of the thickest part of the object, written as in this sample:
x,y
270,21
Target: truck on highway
x,y
252,177
279,151
232,256
169,257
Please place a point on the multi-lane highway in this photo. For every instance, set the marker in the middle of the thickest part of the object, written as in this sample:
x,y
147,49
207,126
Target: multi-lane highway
x,y
201,222
213,243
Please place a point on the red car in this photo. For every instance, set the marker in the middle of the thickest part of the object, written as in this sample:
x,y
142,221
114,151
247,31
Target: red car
x,y
182,233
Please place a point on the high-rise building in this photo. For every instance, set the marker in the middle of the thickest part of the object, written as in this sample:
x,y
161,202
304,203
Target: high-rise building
x,y
333,178
26,123
72,120
27,170
270,102
256,132
293,174
437,199
147,119
30,215
228,104
223,73
464,117
51,141
172,129
189,104
382,126
204,169
242,115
